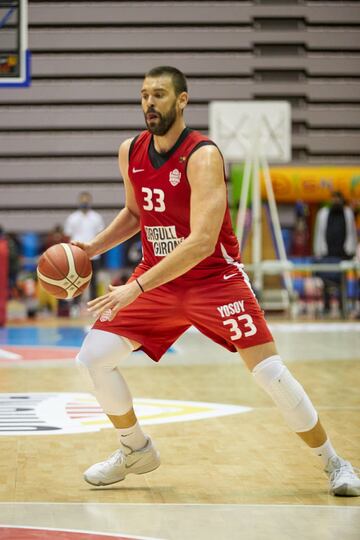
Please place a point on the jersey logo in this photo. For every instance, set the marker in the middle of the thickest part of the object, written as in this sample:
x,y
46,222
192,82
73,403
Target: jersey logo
x,y
228,276
174,177
137,170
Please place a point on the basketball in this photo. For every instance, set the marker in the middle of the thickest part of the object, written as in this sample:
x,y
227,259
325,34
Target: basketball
x,y
64,270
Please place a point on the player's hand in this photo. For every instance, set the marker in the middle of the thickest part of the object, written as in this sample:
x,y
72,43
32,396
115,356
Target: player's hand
x,y
107,306
87,247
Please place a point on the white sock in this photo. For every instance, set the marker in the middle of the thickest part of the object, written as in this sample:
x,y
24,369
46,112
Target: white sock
x,y
325,452
133,437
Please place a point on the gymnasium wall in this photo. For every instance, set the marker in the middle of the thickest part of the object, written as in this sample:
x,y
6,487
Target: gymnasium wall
x,y
62,134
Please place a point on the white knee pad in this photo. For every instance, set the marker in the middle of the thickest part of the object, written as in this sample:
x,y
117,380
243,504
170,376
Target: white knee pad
x,y
98,361
287,393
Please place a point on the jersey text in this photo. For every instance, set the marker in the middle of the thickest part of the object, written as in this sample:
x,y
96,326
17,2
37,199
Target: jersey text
x,y
231,309
163,239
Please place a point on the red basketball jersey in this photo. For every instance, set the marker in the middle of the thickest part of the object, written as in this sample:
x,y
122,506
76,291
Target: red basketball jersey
x,y
162,193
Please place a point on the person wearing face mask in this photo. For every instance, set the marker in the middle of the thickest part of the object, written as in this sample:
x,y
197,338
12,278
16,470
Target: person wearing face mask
x,y
82,225
334,240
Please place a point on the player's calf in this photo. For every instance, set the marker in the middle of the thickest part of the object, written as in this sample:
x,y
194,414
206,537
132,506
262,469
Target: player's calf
x,y
298,411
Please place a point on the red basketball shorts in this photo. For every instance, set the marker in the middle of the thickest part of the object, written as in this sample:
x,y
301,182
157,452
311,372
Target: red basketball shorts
x,y
221,306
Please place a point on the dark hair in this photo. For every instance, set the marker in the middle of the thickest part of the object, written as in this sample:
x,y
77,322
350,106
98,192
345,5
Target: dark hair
x,y
339,195
177,77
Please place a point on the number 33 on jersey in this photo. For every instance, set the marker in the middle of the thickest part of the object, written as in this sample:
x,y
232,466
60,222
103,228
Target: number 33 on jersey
x,y
161,188
154,199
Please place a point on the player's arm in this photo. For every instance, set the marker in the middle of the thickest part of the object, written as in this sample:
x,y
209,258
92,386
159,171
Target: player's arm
x,y
207,208
208,203
127,222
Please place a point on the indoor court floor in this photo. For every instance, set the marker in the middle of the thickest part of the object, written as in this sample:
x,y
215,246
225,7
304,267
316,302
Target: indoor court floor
x,y
230,467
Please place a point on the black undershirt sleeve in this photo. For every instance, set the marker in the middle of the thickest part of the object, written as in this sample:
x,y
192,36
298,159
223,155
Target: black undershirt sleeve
x,y
132,144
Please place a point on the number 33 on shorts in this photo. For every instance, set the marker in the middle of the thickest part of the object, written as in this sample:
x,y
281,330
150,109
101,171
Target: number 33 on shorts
x,y
246,323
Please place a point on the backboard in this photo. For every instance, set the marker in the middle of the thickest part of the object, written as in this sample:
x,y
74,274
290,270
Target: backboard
x,y
14,53
241,127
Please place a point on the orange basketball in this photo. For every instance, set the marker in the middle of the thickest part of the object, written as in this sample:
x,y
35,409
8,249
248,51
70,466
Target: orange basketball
x,y
64,271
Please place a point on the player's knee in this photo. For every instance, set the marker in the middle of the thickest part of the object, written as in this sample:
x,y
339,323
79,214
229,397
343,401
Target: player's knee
x,y
288,394
83,369
103,350
92,359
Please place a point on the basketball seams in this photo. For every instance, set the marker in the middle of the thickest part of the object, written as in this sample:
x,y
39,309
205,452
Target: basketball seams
x,y
80,279
57,288
63,282
52,263
85,268
69,282
71,263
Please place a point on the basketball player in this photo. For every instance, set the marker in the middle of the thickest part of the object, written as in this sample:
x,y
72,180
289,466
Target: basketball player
x,y
190,274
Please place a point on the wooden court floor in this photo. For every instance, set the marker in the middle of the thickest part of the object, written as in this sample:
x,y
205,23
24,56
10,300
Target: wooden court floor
x,y
238,459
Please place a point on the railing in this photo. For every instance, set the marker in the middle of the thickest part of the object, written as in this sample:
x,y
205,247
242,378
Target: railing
x,y
277,267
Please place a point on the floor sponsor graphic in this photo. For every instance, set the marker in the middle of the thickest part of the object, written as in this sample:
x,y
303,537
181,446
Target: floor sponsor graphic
x,y
30,533
60,413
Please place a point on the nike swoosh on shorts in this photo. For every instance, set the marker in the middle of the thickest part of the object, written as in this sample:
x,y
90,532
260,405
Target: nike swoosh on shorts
x,y
228,276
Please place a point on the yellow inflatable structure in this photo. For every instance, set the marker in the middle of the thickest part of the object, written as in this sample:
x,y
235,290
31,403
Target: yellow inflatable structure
x,y
313,184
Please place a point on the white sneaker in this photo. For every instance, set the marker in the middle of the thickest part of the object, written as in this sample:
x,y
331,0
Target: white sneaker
x,y
122,462
344,480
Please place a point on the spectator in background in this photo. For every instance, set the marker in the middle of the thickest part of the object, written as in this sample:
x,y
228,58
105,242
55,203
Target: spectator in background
x,y
300,240
355,206
82,225
334,240
56,236
335,231
4,280
13,258
14,261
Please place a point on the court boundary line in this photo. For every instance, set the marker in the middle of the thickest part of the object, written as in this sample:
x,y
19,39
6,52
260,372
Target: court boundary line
x,y
225,505
34,527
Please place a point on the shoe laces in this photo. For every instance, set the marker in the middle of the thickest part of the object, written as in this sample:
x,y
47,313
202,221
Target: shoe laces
x,y
116,457
345,470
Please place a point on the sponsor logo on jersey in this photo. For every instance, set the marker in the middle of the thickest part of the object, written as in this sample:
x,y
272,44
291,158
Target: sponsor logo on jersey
x,y
61,413
174,177
163,239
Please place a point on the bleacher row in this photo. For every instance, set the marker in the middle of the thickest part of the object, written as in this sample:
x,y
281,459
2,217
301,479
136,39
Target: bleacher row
x,y
62,134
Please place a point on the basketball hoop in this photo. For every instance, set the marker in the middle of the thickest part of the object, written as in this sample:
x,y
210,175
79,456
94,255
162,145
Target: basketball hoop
x,y
14,53
257,133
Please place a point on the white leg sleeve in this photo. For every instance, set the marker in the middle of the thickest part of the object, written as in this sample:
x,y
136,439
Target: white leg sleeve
x,y
98,361
289,396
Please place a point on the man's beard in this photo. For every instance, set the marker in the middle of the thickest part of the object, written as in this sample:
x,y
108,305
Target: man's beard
x,y
164,123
